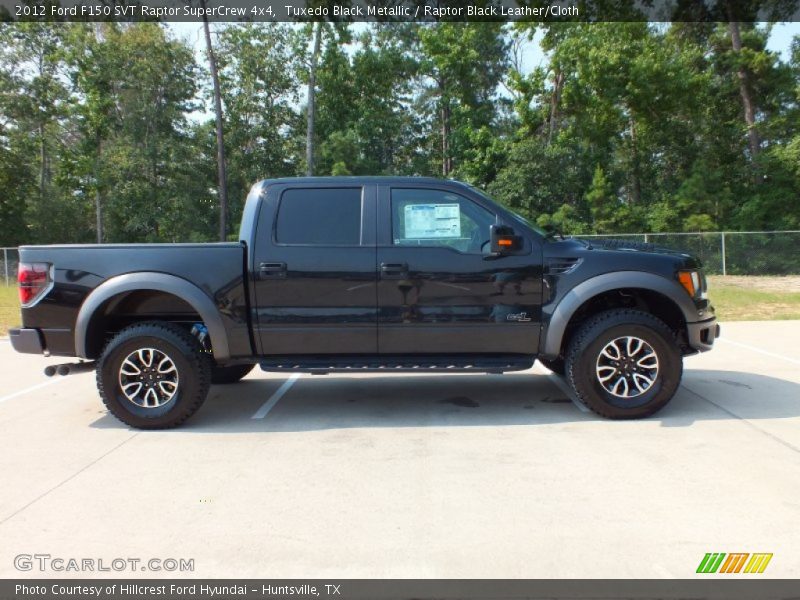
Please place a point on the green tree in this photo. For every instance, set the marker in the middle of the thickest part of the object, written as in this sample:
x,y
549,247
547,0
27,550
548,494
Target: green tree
x,y
366,122
464,63
35,109
260,89
16,183
137,85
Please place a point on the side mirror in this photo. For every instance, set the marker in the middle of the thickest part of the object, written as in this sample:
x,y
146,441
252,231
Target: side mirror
x,y
502,241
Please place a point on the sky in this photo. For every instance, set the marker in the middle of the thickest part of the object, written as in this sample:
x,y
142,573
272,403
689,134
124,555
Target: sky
x,y
781,38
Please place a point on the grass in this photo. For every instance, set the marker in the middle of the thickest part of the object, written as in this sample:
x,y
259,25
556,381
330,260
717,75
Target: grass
x,y
735,298
754,298
9,308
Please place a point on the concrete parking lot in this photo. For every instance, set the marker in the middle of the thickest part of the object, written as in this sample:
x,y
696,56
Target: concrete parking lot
x,y
487,476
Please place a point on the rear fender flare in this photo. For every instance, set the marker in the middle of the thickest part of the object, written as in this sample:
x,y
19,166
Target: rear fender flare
x,y
574,299
161,282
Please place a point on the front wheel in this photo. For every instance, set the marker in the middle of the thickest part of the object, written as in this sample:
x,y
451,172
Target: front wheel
x,y
624,364
153,375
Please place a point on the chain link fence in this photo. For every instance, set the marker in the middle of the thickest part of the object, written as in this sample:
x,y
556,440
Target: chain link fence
x,y
730,252
8,270
722,253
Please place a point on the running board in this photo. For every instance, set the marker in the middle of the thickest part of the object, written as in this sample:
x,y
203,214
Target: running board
x,y
322,365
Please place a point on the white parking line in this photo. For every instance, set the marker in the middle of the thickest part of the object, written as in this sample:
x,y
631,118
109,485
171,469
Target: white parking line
x,y
663,571
31,389
273,400
754,349
561,385
70,478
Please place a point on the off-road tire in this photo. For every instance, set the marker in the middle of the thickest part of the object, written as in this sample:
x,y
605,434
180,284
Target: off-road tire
x,y
589,341
557,365
183,349
230,374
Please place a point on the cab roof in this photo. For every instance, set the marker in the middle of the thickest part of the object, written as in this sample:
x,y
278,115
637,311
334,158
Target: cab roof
x,y
360,179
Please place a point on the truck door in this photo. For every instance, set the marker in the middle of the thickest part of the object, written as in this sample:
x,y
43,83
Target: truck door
x,y
314,270
438,290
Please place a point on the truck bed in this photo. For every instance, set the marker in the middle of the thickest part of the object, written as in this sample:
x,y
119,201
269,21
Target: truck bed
x,y
217,269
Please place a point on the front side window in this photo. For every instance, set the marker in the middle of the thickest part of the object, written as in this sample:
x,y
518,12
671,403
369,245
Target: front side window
x,y
422,217
320,217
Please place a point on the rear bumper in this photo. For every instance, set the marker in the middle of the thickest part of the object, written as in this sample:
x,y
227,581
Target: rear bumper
x,y
28,341
701,336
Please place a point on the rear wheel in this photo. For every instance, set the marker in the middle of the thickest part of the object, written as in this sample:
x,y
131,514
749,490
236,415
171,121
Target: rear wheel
x,y
230,374
153,375
624,364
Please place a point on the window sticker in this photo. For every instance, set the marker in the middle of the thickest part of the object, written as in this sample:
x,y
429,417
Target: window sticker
x,y
432,221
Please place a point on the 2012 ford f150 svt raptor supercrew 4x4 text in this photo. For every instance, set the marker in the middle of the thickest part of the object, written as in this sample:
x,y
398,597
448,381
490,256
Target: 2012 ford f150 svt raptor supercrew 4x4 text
x,y
366,274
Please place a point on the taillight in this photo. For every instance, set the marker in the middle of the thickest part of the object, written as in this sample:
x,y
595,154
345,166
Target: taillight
x,y
34,279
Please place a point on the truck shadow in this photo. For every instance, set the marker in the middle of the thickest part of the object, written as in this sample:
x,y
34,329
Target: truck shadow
x,y
316,403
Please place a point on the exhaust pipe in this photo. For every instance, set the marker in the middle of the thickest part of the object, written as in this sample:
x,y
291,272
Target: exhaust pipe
x,y
70,368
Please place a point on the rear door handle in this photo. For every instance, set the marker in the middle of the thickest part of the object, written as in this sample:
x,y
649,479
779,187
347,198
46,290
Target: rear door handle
x,y
270,270
394,270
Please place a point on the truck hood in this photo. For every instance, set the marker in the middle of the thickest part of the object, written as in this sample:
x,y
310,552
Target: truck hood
x,y
617,247
631,246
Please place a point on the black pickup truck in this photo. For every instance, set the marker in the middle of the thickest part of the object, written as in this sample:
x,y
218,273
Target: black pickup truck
x,y
366,274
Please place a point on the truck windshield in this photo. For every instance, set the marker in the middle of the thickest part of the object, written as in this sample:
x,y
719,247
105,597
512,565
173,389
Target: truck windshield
x,y
516,216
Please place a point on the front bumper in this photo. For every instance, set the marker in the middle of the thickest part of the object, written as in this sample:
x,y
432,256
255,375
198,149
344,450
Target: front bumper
x,y
701,335
28,341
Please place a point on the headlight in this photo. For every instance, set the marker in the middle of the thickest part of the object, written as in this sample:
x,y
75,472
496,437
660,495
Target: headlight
x,y
693,282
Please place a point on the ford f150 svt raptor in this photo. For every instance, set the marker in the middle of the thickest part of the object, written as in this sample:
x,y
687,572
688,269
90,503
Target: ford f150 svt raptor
x,y
366,274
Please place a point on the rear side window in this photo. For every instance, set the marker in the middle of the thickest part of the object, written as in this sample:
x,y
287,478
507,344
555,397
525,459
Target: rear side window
x,y
320,217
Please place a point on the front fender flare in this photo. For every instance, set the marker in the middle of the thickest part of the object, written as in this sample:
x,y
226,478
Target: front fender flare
x,y
551,344
161,282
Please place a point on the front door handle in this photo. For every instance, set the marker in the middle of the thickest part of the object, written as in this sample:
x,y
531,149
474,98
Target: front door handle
x,y
270,270
394,270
